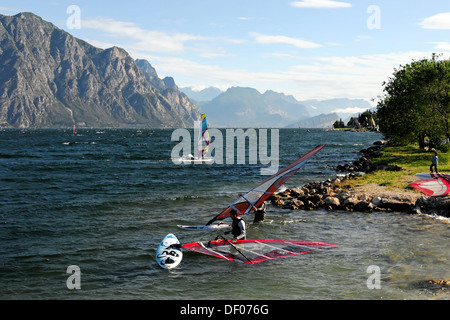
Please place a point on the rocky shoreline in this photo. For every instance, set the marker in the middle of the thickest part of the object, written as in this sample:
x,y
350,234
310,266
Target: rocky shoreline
x,y
329,195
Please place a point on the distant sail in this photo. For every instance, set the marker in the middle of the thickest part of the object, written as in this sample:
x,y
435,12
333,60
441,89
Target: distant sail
x,y
255,251
205,138
255,197
435,187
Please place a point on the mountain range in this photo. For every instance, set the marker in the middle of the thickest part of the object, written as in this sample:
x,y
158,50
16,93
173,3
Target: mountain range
x,y
48,78
247,107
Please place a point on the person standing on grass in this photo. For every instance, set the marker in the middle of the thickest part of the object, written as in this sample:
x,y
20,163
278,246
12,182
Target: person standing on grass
x,y
434,162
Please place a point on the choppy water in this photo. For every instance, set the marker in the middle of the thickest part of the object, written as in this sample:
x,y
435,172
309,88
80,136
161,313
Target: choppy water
x,y
104,199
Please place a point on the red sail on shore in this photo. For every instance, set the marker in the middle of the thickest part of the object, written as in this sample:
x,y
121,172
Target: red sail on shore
x,y
435,187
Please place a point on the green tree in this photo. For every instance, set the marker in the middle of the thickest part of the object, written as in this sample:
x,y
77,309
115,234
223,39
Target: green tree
x,y
353,122
339,124
366,118
416,104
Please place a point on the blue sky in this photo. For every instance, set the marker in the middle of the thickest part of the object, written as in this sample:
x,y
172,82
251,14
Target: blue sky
x,y
312,49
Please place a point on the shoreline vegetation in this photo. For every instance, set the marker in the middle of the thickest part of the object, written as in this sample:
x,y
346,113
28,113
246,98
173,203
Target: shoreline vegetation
x,y
377,182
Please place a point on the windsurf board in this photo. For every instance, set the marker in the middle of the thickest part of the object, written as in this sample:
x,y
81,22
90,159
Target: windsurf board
x,y
168,255
192,159
203,228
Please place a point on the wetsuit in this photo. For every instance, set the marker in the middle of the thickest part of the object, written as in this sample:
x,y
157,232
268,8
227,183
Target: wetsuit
x,y
260,213
238,229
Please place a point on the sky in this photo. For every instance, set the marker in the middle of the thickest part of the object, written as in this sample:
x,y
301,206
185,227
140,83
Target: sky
x,y
311,49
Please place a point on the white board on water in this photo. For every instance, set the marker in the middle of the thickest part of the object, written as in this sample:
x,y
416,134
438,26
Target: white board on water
x,y
210,227
168,256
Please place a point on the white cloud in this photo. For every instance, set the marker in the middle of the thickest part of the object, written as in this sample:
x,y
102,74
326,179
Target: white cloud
x,y
154,41
213,53
280,55
349,76
441,45
135,39
363,37
320,4
350,110
313,78
278,39
8,9
334,44
100,44
438,21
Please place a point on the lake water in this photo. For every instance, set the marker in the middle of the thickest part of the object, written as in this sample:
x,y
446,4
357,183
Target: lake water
x,y
103,200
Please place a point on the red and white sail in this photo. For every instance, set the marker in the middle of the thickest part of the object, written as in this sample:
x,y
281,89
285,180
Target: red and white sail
x,y
435,187
255,197
255,251
205,139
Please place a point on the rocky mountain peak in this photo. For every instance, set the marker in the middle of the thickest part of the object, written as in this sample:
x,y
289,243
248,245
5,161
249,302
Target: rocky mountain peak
x,y
48,78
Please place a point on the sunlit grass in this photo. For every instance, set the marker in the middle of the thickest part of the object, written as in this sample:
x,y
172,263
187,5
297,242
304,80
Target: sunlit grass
x,y
409,158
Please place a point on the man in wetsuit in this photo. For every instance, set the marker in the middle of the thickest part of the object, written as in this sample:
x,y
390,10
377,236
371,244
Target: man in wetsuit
x,y
260,213
237,227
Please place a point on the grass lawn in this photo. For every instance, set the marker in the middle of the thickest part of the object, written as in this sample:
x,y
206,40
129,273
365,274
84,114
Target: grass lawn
x,y
410,158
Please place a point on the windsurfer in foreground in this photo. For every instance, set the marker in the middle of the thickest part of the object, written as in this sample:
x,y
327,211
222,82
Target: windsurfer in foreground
x,y
237,227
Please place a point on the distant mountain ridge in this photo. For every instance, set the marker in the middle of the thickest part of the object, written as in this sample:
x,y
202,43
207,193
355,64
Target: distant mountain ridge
x,y
246,107
48,78
317,107
206,94
323,121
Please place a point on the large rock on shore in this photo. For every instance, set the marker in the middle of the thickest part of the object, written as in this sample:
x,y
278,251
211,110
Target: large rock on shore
x,y
327,195
364,163
434,205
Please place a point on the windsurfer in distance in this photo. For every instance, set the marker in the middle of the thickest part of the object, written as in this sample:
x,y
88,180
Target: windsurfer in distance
x,y
237,227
